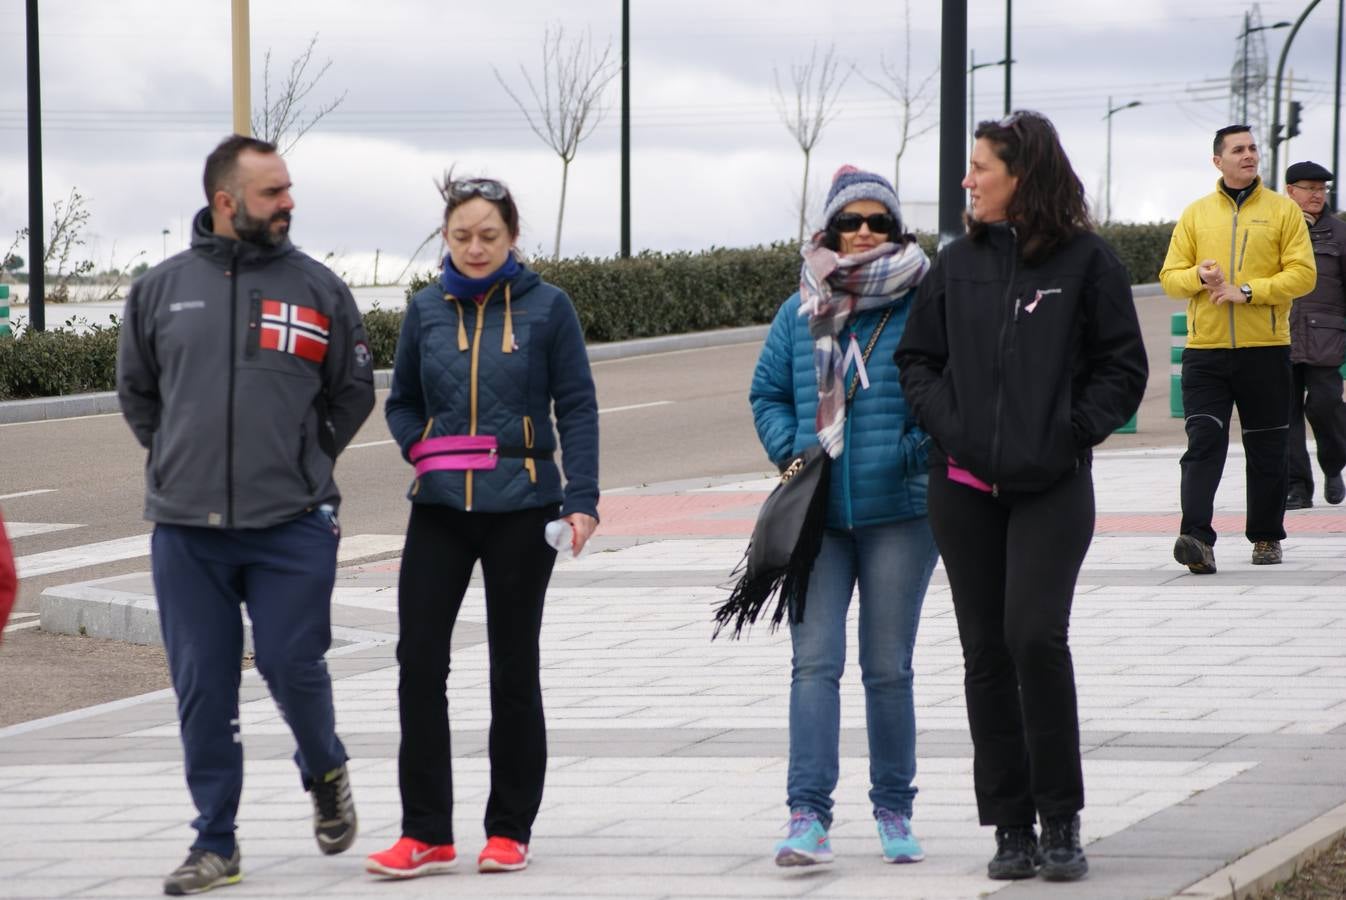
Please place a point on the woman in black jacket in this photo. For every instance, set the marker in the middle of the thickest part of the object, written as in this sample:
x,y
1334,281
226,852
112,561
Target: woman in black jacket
x,y
1021,353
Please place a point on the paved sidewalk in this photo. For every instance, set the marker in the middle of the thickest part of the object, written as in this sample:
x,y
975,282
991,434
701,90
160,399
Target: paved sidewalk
x,y
1213,712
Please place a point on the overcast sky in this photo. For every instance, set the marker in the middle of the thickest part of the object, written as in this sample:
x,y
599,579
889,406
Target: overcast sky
x,y
135,93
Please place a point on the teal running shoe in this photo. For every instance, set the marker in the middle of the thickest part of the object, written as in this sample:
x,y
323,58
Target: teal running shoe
x,y
899,844
806,844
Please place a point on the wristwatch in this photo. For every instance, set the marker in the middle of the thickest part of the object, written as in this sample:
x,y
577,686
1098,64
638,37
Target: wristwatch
x,y
1247,290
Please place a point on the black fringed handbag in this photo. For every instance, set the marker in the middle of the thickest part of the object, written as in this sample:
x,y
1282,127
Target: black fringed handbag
x,y
786,537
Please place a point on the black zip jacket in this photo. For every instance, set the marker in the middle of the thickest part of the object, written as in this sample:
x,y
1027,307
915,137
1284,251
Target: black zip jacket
x,y
1017,370
244,371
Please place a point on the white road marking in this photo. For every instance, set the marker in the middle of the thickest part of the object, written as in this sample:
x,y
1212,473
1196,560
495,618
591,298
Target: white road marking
x,y
611,409
27,493
78,557
370,444
22,626
24,529
66,419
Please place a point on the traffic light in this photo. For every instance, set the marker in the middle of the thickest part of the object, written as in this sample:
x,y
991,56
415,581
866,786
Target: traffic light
x,y
1292,120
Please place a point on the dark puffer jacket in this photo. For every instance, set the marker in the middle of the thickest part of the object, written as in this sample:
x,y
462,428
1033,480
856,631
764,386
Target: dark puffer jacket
x,y
453,377
1318,319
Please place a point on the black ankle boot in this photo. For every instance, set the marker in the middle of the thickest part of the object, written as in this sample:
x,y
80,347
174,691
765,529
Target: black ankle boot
x,y
1016,853
1062,857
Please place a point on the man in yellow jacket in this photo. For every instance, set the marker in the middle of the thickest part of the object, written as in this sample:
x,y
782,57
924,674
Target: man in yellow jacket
x,y
1238,256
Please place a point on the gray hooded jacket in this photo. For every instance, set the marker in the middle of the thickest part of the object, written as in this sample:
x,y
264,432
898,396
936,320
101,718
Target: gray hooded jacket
x,y
244,371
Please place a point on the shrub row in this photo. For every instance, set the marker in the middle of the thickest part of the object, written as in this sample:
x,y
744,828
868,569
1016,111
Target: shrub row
x,y
617,299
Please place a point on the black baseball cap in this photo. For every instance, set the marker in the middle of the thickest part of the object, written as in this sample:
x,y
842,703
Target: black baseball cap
x,y
1306,171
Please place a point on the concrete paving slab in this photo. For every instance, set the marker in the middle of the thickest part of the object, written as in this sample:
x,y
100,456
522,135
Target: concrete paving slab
x,y
1200,698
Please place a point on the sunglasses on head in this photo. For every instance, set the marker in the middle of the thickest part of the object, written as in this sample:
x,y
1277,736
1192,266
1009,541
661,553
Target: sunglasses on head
x,y
879,223
488,188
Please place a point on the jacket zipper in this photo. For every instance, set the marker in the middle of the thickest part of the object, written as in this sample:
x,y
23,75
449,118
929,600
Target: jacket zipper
x,y
1233,259
998,370
229,412
472,387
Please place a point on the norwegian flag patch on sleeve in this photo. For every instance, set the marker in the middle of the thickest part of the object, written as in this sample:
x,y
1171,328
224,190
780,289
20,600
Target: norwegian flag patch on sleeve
x,y
291,328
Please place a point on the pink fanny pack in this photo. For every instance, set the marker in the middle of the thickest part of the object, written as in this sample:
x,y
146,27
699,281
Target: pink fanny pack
x,y
963,476
455,451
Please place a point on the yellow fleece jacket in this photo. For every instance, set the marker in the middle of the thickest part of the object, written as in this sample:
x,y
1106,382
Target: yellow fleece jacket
x,y
1264,244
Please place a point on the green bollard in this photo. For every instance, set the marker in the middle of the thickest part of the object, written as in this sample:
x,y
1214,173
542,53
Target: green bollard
x,y
4,310
1179,343
1129,427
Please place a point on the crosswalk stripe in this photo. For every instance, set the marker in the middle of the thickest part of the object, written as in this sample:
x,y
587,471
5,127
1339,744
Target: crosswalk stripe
x,y
78,557
355,546
27,529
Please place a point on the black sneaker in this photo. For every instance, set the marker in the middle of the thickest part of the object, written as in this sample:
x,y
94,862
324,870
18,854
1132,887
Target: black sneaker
x,y
1062,858
1297,500
1266,553
1197,556
1016,854
201,871
1334,489
334,823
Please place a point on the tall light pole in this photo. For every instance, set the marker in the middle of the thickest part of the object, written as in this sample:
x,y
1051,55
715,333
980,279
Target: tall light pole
x,y
37,267
952,145
973,66
1107,178
625,237
1276,102
1248,30
1009,54
242,70
165,243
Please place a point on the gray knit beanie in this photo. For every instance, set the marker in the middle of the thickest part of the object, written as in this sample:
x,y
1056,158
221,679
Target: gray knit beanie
x,y
850,184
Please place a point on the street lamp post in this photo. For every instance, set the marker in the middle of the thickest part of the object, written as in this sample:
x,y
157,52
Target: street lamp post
x,y
165,243
1107,178
1276,138
1248,30
972,89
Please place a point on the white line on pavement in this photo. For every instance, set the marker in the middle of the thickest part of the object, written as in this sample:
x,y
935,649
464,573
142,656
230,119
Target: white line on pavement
x,y
636,406
84,555
65,419
22,626
25,529
370,444
27,493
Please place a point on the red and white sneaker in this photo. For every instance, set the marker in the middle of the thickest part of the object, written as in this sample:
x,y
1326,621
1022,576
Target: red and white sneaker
x,y
409,858
502,855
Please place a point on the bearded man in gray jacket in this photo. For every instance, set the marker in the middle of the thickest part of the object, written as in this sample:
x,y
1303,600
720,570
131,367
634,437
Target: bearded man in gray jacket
x,y
243,369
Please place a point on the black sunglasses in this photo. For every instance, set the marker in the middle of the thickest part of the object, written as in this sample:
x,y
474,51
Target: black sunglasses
x,y
879,223
488,188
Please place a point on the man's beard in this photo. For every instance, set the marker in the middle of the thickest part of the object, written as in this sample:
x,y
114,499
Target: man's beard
x,y
258,231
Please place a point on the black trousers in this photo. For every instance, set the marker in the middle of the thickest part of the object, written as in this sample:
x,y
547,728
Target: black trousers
x,y
442,546
1012,562
1257,381
1327,414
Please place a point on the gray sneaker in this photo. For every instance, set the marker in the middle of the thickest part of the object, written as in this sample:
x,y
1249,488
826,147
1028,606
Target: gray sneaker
x,y
334,823
1196,555
201,871
1267,553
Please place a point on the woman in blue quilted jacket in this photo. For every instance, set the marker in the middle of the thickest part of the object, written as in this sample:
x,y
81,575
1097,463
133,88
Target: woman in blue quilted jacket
x,y
484,356
826,376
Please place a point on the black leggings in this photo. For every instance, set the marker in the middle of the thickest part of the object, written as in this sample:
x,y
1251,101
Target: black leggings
x,y
516,563
1012,562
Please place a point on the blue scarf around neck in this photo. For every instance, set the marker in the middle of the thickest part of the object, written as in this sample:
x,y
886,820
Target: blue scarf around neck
x,y
456,284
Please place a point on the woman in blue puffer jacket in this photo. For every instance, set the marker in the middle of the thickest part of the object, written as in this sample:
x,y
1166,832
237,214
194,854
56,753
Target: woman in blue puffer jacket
x,y
812,385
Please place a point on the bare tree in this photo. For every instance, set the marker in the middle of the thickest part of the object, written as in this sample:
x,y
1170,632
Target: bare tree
x,y
284,120
568,107
809,108
913,100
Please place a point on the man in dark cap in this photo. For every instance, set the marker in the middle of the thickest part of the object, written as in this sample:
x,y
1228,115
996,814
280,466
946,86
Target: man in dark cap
x,y
1317,346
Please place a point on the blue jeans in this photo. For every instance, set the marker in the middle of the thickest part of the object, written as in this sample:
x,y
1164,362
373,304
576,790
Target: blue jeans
x,y
892,564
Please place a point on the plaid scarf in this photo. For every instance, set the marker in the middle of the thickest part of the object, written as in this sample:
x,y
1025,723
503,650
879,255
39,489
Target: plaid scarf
x,y
832,289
